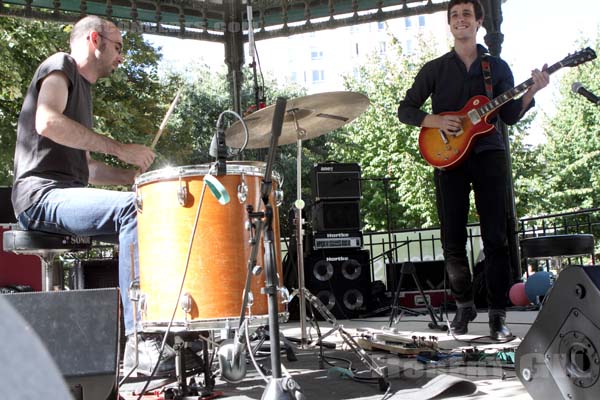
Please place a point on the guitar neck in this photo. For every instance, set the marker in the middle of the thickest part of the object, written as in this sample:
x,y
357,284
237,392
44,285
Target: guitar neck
x,y
497,102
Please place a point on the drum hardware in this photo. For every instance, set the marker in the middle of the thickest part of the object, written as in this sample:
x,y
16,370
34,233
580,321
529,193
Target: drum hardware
x,y
139,203
242,190
186,303
182,193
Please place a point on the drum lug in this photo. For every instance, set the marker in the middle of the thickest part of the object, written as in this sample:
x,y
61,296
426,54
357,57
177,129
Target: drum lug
x,y
143,303
285,295
250,302
186,303
278,193
182,193
257,270
242,191
139,203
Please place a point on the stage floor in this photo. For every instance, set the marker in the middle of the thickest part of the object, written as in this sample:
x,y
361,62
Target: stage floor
x,y
490,378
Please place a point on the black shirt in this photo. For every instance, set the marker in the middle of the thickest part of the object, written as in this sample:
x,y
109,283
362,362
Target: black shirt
x,y
450,86
40,163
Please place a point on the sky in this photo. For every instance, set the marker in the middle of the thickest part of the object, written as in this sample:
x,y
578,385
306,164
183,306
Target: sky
x,y
535,32
545,31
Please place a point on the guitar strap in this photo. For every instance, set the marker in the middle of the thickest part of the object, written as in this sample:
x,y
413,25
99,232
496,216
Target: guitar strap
x,y
487,76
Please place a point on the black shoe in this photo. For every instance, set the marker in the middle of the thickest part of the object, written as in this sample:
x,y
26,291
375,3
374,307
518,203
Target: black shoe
x,y
148,351
460,323
498,329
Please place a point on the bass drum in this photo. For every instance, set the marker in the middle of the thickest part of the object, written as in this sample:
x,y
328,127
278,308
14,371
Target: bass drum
x,y
211,298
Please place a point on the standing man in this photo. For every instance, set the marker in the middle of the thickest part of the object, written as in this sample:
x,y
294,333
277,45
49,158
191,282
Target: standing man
x,y
451,80
53,165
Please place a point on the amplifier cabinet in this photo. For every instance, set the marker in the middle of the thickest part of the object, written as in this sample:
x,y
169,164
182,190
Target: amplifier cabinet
x,y
336,181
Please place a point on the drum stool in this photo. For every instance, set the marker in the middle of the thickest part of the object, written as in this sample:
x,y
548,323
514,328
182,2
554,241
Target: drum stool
x,y
557,247
46,246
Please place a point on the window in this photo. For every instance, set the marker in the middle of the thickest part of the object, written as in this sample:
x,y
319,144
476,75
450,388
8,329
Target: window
x,y
381,25
294,76
421,21
407,22
318,75
316,54
382,47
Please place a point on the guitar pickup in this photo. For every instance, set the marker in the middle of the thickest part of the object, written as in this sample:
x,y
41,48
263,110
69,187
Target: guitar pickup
x,y
474,116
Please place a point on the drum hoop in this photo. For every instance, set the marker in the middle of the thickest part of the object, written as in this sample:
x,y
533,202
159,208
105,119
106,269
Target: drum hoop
x,y
252,168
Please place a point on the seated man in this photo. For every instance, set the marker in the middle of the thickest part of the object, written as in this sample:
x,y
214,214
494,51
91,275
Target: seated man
x,y
53,166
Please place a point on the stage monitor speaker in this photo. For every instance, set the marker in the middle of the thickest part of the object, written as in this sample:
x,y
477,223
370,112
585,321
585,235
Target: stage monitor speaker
x,y
80,331
561,351
341,279
429,273
336,216
28,371
336,181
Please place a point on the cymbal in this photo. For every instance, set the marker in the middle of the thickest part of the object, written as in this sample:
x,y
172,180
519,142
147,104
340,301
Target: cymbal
x,y
317,114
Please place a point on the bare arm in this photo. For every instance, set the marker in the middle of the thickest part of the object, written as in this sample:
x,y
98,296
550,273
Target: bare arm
x,y
104,174
53,124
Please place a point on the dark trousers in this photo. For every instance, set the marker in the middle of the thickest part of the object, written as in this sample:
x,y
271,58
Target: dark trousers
x,y
486,174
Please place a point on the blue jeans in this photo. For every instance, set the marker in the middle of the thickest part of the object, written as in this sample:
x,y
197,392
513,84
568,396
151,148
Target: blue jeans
x,y
103,215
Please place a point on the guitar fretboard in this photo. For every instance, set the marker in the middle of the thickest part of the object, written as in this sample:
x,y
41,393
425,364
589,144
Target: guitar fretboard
x,y
512,93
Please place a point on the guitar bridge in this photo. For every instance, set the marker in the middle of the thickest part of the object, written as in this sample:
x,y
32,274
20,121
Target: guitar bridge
x,y
474,116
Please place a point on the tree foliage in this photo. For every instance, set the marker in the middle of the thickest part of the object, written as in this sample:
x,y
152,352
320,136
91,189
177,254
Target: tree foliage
x,y
24,45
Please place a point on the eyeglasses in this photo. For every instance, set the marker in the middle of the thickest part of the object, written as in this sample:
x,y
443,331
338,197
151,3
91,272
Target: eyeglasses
x,y
119,47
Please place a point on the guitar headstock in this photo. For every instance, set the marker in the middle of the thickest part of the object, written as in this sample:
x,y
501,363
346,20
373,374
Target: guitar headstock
x,y
577,58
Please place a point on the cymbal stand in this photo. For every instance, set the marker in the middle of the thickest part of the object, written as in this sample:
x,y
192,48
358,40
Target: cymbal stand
x,y
298,207
380,372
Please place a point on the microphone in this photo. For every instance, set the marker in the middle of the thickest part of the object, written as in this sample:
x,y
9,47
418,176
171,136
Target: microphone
x,y
232,360
218,148
578,88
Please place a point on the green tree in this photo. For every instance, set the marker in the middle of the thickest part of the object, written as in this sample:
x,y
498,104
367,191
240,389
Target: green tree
x,y
572,152
24,45
386,148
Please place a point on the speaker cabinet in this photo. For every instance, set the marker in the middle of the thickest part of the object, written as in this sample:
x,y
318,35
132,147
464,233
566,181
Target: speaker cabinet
x,y
341,279
561,351
336,216
336,181
80,331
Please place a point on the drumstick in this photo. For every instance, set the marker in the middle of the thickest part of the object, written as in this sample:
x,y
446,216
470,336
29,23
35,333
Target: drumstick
x,y
166,118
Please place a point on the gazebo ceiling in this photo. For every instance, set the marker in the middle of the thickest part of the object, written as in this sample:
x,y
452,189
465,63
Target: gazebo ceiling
x,y
210,19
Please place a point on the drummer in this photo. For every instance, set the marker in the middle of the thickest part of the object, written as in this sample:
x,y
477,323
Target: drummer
x,y
53,165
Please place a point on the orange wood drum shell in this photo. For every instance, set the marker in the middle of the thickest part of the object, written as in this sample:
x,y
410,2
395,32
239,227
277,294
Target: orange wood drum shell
x,y
216,275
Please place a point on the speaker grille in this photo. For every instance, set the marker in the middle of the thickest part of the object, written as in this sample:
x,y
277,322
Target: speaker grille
x,y
341,279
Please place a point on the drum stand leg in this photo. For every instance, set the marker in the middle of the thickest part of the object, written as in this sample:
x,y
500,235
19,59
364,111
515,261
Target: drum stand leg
x,y
261,335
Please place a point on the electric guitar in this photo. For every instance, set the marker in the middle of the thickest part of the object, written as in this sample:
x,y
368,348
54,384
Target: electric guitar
x,y
445,151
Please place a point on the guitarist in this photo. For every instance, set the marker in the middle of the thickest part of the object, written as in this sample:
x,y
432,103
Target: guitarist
x,y
451,80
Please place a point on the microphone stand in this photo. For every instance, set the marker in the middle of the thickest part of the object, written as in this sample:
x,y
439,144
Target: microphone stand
x,y
277,387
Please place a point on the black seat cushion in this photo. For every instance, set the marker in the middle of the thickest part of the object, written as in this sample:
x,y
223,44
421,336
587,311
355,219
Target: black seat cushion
x,y
32,242
557,245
